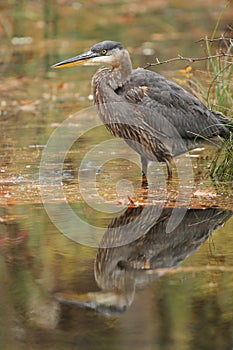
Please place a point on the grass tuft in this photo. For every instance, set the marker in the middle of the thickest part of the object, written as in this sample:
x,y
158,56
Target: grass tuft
x,y
215,88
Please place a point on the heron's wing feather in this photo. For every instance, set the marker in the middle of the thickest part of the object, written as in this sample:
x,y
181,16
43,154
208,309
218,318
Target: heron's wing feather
x,y
164,101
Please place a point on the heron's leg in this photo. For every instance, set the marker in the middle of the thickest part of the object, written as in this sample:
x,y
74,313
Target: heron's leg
x,y
144,162
169,169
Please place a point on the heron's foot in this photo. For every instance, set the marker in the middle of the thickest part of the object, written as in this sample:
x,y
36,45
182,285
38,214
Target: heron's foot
x,y
144,181
144,184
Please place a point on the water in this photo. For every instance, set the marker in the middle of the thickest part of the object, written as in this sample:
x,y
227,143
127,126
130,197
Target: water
x,y
49,289
88,259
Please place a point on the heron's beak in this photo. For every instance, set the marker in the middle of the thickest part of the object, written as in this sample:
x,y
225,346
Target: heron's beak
x,y
84,58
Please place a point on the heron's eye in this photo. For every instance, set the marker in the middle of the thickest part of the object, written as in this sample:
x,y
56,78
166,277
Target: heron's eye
x,y
103,52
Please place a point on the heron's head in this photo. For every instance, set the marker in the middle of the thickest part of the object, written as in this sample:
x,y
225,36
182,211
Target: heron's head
x,y
105,52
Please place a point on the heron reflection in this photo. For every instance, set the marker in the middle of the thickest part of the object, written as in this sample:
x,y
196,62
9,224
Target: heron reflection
x,y
119,269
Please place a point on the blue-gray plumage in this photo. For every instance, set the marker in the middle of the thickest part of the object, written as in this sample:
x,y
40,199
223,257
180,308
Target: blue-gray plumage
x,y
155,116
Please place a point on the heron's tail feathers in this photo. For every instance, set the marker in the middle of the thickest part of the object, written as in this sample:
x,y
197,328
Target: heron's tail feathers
x,y
226,122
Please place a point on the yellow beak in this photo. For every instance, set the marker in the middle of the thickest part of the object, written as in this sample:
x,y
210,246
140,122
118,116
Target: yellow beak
x,y
84,58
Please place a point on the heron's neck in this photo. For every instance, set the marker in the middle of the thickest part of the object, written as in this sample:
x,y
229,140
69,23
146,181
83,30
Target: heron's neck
x,y
112,78
105,83
119,74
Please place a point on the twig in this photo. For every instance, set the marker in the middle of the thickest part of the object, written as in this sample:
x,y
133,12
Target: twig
x,y
188,59
214,39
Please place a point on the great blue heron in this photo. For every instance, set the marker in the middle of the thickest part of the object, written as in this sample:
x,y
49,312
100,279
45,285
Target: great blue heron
x,y
155,116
